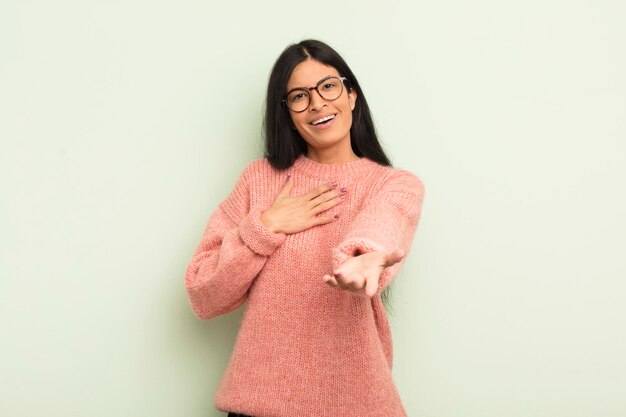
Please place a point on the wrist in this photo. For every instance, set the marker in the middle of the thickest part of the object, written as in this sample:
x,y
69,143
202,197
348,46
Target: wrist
x,y
268,223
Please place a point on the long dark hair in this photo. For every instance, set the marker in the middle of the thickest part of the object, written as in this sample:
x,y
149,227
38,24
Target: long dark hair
x,y
283,143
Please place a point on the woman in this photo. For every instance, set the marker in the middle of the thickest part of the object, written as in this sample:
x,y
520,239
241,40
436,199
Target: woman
x,y
310,237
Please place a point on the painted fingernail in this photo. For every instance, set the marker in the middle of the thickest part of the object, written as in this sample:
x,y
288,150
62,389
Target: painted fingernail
x,y
334,184
336,216
343,189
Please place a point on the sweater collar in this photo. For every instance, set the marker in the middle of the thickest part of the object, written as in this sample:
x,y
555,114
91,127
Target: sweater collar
x,y
317,169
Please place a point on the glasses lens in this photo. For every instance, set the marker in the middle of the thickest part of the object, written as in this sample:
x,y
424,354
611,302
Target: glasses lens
x,y
298,100
330,88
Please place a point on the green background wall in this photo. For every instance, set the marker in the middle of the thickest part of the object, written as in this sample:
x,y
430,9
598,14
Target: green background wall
x,y
124,123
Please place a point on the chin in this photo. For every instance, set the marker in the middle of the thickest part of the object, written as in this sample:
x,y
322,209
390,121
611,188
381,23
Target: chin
x,y
321,142
326,139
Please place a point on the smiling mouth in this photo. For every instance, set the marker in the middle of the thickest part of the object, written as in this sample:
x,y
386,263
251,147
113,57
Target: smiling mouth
x,y
323,120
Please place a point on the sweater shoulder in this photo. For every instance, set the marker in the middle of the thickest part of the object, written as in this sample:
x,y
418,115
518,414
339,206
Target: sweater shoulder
x,y
388,176
259,167
255,174
237,204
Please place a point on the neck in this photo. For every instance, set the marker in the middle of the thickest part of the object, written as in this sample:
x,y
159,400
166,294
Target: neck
x,y
331,155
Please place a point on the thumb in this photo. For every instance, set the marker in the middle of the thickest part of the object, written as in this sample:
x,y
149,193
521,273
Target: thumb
x,y
394,257
371,286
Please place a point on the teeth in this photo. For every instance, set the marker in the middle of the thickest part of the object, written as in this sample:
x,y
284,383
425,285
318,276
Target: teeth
x,y
323,119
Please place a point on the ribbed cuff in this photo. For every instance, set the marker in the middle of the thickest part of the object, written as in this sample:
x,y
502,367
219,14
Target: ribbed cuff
x,y
256,236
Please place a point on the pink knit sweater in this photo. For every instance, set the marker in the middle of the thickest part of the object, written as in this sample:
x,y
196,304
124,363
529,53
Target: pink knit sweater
x,y
305,349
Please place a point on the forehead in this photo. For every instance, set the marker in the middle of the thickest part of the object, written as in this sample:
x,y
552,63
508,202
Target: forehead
x,y
308,73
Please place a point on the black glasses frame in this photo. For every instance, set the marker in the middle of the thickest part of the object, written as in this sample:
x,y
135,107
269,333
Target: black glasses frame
x,y
315,87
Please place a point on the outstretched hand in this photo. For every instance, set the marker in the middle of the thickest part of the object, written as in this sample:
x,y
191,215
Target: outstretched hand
x,y
363,272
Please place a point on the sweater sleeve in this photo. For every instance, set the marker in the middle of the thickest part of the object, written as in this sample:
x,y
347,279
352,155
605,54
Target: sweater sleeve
x,y
386,222
233,249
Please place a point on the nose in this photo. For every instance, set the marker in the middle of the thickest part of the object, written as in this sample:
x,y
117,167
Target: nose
x,y
317,102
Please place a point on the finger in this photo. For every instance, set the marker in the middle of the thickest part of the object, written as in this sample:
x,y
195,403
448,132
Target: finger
x,y
394,257
325,197
284,192
321,189
326,205
355,282
328,279
341,282
371,286
319,220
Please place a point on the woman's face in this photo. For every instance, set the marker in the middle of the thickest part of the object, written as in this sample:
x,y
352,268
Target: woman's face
x,y
332,133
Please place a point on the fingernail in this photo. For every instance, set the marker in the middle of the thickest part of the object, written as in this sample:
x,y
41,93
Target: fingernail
x,y
334,184
343,189
336,216
288,176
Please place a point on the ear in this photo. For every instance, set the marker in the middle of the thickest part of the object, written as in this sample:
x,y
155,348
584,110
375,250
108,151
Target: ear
x,y
352,98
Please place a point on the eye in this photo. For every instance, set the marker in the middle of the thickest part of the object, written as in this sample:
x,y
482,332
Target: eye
x,y
329,86
296,97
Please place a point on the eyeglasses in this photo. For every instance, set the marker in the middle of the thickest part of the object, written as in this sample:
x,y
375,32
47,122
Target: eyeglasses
x,y
329,88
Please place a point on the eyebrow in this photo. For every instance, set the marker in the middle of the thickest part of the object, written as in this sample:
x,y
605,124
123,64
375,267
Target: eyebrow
x,y
304,88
